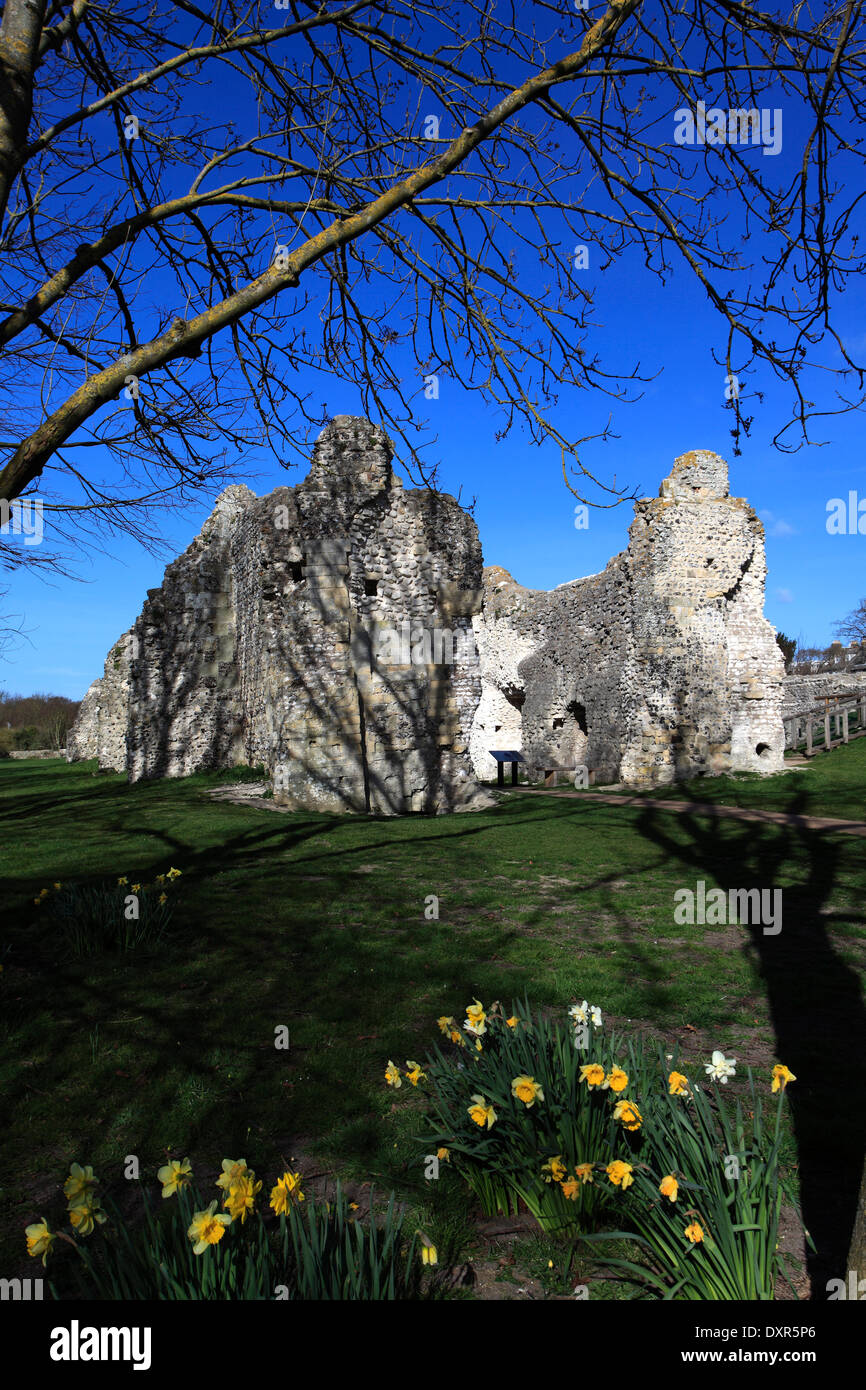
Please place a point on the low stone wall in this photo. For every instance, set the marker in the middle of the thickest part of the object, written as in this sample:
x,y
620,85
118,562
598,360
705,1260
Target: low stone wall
x,y
37,753
804,692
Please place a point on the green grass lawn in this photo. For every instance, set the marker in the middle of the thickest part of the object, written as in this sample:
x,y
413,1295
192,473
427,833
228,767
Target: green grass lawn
x,y
833,784
318,923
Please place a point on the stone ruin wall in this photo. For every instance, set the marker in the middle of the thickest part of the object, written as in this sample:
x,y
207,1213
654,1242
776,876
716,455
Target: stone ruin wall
x,y
804,692
334,707
661,666
184,711
101,726
268,644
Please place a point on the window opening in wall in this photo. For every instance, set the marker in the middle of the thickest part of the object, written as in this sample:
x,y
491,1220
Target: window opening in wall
x,y
579,712
371,588
296,568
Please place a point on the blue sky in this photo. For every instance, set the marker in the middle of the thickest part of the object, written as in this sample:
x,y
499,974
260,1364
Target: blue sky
x,y
524,512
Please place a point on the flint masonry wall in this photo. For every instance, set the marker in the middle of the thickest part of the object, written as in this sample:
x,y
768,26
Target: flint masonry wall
x,y
661,666
299,631
802,692
101,727
272,641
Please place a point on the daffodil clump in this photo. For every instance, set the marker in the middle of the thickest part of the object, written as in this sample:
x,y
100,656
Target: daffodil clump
x,y
707,1193
525,1112
593,1133
233,1246
121,914
84,1213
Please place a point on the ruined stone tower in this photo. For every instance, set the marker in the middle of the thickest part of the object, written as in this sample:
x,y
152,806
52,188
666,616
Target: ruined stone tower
x,y
660,667
294,633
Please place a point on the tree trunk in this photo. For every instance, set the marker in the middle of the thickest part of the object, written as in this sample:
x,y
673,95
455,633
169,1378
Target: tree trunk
x,y
20,33
857,1252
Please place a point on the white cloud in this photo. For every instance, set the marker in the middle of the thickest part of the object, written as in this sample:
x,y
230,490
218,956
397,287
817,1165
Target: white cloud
x,y
775,525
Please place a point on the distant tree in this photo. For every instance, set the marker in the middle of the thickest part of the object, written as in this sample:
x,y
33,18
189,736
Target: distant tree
x,y
788,646
807,659
854,626
36,721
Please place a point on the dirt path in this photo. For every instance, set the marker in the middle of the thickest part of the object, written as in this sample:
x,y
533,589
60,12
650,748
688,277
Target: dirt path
x,y
705,808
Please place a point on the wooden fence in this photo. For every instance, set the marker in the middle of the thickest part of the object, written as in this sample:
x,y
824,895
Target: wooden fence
x,y
839,719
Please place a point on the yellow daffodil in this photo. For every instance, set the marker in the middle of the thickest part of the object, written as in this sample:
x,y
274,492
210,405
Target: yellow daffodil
x,y
429,1255
678,1084
570,1189
136,888
37,902
444,1155
39,1239
616,1079
475,1017
593,1074
160,878
414,1072
445,1023
669,1187
174,1175
287,1190
206,1228
475,1011
620,1173
80,1184
694,1233
554,1170
163,898
241,1196
482,1113
781,1077
173,874
233,1169
478,1045
527,1089
58,885
121,882
457,1037
627,1111
513,1021
84,1214
392,1075
584,1172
